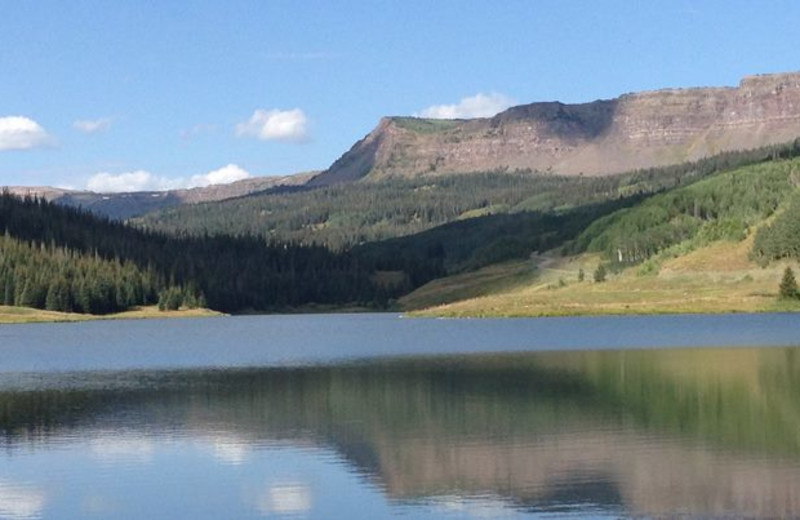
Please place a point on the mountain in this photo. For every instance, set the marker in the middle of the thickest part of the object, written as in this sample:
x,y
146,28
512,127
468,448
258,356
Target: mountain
x,y
633,131
131,204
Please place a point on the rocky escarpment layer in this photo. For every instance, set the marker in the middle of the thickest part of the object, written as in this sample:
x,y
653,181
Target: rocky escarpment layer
x,y
633,131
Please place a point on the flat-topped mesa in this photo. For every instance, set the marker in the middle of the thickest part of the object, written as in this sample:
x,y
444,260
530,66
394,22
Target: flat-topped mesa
x,y
637,130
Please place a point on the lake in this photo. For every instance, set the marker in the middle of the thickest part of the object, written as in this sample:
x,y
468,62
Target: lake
x,y
378,416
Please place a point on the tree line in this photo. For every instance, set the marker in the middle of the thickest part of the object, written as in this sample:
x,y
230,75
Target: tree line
x,y
49,277
227,273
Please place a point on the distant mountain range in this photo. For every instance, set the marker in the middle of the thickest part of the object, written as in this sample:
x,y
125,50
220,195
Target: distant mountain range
x,y
130,204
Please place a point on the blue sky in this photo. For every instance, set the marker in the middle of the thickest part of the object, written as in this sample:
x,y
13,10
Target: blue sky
x,y
155,94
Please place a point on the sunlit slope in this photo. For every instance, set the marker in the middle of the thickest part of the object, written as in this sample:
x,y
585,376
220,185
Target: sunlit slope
x,y
687,250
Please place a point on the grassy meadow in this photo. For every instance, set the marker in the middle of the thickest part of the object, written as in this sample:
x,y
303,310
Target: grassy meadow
x,y
718,278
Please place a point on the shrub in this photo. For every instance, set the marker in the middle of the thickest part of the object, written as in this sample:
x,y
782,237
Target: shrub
x,y
600,274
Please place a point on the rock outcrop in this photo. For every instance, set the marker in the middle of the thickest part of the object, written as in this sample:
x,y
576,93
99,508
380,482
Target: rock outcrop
x,y
633,131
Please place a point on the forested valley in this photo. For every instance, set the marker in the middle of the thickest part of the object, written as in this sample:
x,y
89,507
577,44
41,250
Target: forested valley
x,y
368,243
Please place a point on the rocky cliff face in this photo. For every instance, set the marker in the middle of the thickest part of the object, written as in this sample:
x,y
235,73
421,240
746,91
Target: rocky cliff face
x,y
602,137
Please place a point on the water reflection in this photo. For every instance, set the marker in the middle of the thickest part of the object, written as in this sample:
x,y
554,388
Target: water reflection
x,y
285,498
708,432
19,501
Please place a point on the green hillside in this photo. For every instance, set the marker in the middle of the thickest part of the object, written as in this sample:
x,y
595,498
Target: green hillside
x,y
345,215
717,245
726,206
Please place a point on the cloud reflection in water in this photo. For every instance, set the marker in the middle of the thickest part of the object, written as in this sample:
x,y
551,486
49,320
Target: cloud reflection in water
x,y
21,502
285,499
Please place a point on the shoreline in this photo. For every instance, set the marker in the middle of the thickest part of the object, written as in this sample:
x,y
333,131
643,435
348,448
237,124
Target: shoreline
x,y
27,315
23,315
791,308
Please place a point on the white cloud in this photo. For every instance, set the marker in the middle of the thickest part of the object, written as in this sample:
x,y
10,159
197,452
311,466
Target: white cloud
x,y
224,175
141,180
92,126
479,105
22,133
275,125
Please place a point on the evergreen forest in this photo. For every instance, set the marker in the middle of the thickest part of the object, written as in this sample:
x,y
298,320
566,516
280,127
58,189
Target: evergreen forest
x,y
47,248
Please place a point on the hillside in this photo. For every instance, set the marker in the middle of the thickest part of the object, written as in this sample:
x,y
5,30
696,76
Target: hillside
x,y
130,204
633,131
718,245
718,278
345,215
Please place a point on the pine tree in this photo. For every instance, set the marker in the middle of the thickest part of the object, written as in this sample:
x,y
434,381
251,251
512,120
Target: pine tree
x,y
788,287
54,299
27,297
8,295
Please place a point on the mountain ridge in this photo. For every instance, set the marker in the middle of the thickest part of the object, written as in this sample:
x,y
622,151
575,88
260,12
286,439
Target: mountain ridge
x,y
633,131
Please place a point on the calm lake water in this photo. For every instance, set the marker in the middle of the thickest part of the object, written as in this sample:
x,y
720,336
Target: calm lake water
x,y
376,416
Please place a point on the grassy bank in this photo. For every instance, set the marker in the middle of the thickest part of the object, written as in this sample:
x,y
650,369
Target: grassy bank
x,y
29,315
718,278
